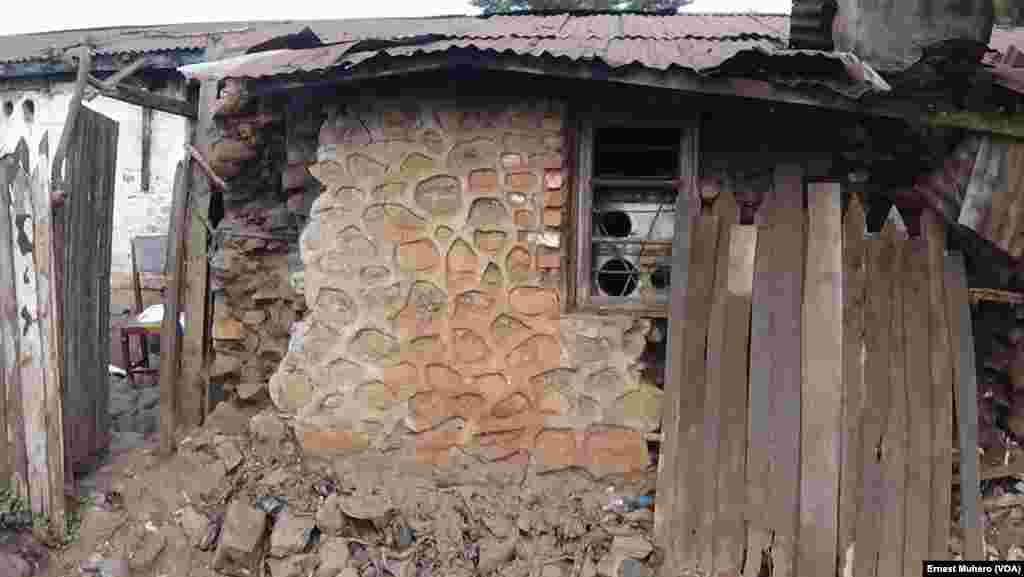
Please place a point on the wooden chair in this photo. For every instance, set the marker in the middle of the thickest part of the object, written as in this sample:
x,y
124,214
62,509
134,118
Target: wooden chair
x,y
149,259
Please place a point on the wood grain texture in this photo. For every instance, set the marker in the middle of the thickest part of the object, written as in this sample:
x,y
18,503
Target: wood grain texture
x,y
170,342
942,381
725,209
51,334
920,405
773,453
689,474
730,528
893,437
193,403
822,382
14,466
877,330
854,283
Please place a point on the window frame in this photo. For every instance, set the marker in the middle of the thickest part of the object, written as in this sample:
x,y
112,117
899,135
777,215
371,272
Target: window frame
x,y
585,124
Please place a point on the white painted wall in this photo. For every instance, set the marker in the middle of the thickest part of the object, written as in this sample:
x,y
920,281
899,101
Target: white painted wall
x,y
135,212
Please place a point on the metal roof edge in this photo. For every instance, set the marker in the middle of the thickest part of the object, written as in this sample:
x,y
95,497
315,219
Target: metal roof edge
x,y
161,60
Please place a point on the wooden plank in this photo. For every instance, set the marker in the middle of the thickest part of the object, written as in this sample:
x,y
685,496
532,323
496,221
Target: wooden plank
x,y
773,453
51,334
10,405
894,432
32,362
854,283
967,404
876,403
192,402
921,406
691,408
675,377
822,382
170,343
942,381
730,543
726,210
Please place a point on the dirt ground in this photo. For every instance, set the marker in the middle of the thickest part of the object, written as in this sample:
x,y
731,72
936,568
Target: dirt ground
x,y
368,516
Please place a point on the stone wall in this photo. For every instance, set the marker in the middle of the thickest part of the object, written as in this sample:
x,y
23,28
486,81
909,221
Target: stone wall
x,y
433,274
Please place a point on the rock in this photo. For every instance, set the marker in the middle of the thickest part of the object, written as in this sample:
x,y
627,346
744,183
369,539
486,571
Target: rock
x,y
227,420
247,391
229,454
12,565
330,518
553,570
635,546
149,398
366,506
495,553
297,566
334,556
106,567
121,403
267,427
291,534
195,525
633,568
241,536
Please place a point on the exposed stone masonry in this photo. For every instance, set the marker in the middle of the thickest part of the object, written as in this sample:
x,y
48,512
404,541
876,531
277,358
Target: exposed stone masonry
x,y
433,275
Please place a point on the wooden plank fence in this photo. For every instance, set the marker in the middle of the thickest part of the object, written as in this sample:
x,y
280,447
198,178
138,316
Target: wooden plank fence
x,y
54,313
824,446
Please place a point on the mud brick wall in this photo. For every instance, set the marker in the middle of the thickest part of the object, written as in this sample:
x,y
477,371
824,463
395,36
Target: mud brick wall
x,y
432,270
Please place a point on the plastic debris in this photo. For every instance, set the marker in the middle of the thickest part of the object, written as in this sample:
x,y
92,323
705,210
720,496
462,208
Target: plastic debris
x,y
270,505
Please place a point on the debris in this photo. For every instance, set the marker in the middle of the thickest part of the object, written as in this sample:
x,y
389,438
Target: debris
x,y
493,554
330,517
195,525
240,540
229,454
635,547
117,371
152,545
270,505
325,487
101,567
291,534
634,568
405,537
14,566
267,427
369,507
622,505
213,529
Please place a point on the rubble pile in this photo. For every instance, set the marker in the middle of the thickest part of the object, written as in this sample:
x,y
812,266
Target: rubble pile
x,y
240,498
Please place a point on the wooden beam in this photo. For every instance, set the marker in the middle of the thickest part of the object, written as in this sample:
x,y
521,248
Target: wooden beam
x,y
170,343
194,394
14,468
144,98
822,389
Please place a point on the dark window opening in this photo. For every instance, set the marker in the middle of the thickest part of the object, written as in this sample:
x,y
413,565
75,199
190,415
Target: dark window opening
x,y
8,108
29,110
617,277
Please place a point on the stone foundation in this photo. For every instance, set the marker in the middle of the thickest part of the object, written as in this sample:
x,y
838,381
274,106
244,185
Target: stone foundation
x,y
433,275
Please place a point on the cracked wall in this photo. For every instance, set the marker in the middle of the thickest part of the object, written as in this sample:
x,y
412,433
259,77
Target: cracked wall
x,y
433,274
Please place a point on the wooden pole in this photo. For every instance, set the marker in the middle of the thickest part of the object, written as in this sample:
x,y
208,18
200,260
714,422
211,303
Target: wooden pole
x,y
170,343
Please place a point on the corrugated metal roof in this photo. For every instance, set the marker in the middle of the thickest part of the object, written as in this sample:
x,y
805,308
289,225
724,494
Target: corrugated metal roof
x,y
751,45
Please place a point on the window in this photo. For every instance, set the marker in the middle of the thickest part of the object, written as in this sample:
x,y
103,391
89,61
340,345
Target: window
x,y
628,179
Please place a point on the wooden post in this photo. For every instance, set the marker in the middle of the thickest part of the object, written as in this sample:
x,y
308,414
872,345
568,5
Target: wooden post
x,y
962,334
170,343
193,400
822,389
13,468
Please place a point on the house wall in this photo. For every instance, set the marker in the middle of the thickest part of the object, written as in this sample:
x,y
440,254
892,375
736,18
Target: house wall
x,y
136,211
430,271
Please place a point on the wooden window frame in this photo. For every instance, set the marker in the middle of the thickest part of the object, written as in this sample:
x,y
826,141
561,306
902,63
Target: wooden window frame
x,y
581,299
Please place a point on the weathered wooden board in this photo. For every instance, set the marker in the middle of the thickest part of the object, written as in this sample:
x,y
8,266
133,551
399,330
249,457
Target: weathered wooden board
x,y
942,380
170,341
726,210
967,403
773,454
14,468
920,404
193,402
669,503
689,475
854,283
32,361
730,528
87,230
822,386
877,361
893,440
